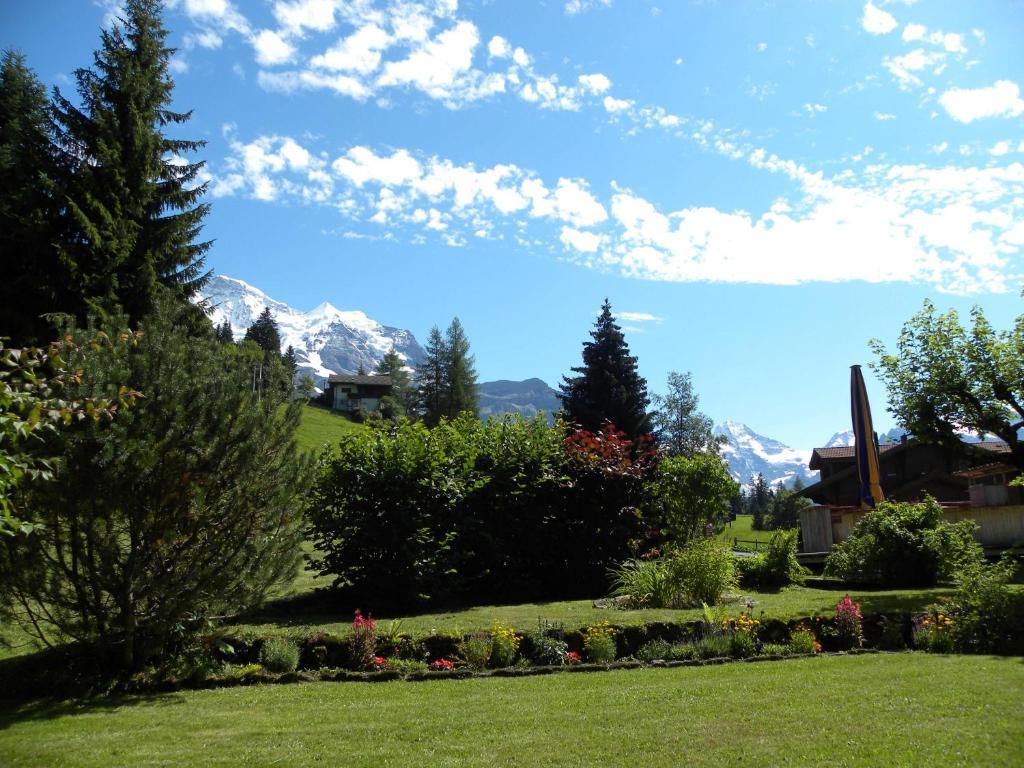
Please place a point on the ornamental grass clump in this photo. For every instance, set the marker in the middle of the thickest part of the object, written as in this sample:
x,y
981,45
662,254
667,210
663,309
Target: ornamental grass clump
x,y
849,629
364,641
504,645
279,654
599,643
476,649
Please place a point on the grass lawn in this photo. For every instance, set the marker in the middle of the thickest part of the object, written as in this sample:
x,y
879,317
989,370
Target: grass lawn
x,y
742,528
791,602
885,710
320,426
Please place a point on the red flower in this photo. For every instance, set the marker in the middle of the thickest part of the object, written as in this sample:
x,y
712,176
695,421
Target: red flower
x,y
442,665
572,657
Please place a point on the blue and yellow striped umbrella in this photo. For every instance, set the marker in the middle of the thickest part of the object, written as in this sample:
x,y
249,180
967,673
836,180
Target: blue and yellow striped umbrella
x,y
864,445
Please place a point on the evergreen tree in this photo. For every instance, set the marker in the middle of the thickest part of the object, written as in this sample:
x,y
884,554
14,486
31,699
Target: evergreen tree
x,y
32,281
264,332
361,370
759,498
460,372
199,516
223,333
290,363
132,205
607,387
399,402
431,380
681,429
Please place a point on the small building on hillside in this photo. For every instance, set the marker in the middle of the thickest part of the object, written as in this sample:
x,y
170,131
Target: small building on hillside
x,y
352,392
909,470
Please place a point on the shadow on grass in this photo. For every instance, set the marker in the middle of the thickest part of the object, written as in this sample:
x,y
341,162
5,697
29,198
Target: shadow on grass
x,y
15,712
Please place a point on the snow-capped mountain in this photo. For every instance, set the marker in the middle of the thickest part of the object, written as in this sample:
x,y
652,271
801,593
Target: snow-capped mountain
x,y
844,439
749,453
326,339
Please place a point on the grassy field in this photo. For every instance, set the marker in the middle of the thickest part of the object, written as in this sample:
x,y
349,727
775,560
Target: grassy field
x,y
283,618
889,710
742,528
320,426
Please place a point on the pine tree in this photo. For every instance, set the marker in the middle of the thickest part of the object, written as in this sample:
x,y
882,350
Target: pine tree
x,y
681,429
400,400
291,365
431,380
33,281
607,387
223,333
131,199
460,372
264,332
759,498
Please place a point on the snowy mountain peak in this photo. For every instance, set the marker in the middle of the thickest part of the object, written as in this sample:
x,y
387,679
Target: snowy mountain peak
x,y
326,339
749,453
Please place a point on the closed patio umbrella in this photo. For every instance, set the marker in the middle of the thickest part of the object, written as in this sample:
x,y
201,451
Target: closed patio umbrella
x,y
864,445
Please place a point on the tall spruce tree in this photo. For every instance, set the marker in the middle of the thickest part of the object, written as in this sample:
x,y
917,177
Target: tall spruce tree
x,y
265,333
460,372
223,333
130,196
400,400
431,380
32,281
607,387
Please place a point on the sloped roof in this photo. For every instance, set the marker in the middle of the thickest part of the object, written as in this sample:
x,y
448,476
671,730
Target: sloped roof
x,y
366,381
846,452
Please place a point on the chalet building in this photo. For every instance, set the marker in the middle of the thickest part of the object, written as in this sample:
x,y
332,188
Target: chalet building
x,y
909,471
351,392
969,481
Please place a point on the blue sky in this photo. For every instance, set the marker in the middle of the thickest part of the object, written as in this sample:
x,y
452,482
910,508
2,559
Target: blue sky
x,y
758,187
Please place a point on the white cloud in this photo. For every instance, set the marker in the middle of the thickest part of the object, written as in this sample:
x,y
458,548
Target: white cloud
x,y
271,48
815,109
639,317
437,65
913,32
573,7
1001,99
876,21
884,116
1000,148
612,104
596,83
762,47
296,17
359,52
361,165
219,12
584,242
904,68
499,48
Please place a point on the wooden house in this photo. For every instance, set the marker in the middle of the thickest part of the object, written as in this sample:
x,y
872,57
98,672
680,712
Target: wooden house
x,y
351,392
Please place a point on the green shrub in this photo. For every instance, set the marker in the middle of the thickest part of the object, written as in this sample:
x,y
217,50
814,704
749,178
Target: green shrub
x,y
776,649
545,645
687,492
774,568
703,571
742,645
655,650
279,654
241,672
714,646
902,544
987,615
684,652
476,649
406,667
